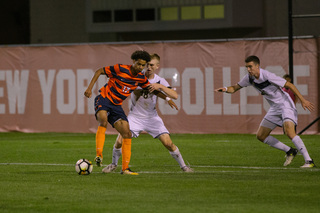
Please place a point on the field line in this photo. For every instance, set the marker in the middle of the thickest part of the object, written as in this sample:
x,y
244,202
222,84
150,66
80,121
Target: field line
x,y
193,166
246,167
37,164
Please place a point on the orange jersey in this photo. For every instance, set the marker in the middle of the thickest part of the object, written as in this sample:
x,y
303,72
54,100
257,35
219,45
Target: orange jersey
x,y
121,83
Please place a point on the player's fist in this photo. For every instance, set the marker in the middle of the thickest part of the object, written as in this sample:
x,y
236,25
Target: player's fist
x,y
88,93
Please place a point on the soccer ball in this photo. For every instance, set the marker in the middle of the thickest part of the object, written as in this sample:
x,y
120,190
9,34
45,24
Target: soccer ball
x,y
84,167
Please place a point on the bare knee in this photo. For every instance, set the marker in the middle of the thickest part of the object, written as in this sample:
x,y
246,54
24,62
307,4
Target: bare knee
x,y
261,137
126,134
102,118
170,146
123,128
167,142
291,135
263,133
289,129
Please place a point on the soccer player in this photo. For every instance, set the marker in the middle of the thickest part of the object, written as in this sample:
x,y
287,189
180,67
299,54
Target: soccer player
x,y
143,116
282,110
123,79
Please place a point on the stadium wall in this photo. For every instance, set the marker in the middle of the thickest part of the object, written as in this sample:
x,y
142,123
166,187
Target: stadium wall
x,y
41,87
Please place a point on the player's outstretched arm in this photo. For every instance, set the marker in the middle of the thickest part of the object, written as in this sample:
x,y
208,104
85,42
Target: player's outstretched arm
x,y
95,77
230,89
304,103
169,92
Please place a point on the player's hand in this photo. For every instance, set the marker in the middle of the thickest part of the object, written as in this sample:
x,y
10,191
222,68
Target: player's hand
x,y
154,86
88,93
172,104
221,89
307,105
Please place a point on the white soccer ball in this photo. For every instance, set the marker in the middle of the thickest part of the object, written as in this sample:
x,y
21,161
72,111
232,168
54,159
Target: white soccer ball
x,y
84,167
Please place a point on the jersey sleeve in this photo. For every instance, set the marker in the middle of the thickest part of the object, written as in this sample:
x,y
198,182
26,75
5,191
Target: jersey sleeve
x,y
244,82
164,82
145,83
107,71
276,80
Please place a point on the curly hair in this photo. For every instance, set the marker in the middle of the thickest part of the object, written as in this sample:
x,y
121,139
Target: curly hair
x,y
141,54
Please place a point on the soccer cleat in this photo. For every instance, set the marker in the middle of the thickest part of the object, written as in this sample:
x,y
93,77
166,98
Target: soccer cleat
x,y
187,169
98,160
128,172
110,168
290,155
308,164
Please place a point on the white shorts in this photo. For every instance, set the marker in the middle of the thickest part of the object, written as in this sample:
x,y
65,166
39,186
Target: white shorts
x,y
154,126
275,117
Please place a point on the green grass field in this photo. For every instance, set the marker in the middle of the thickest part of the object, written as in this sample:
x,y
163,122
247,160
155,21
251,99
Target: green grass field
x,y
233,173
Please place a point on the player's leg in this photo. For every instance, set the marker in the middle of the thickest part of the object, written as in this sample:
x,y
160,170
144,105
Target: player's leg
x,y
102,118
118,119
174,151
116,154
264,136
156,128
101,113
122,127
136,125
289,129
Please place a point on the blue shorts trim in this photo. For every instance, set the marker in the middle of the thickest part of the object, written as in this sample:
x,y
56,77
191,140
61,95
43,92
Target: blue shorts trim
x,y
115,112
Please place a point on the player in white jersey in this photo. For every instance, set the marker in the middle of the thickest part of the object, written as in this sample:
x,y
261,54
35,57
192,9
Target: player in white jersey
x,y
282,110
143,116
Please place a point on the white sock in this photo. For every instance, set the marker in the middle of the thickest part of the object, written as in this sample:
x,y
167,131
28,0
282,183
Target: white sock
x,y
116,154
178,157
273,142
301,147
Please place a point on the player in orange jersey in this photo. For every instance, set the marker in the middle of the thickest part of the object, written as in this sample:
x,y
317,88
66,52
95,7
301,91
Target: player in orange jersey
x,y
123,79
143,116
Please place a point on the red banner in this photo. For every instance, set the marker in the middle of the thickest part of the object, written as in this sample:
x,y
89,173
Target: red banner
x,y
41,87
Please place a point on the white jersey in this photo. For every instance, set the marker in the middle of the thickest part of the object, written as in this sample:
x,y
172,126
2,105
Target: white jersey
x,y
146,107
143,115
270,86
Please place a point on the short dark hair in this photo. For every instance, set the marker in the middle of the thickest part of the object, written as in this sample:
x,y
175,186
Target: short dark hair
x,y
141,54
253,58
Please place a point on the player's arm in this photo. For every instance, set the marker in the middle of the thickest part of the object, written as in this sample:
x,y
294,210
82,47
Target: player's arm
x,y
160,95
95,77
229,89
304,103
168,91
295,99
138,93
156,89
167,98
